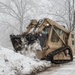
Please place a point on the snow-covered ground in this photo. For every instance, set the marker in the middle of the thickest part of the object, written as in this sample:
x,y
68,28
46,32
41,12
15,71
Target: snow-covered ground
x,y
65,69
12,63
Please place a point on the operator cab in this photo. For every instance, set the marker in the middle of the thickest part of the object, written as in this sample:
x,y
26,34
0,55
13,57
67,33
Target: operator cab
x,y
44,36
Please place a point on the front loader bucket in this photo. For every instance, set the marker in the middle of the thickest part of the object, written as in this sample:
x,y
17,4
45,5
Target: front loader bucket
x,y
16,42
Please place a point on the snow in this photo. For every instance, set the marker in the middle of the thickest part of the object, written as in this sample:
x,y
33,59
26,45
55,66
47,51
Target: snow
x,y
73,56
64,69
30,50
12,63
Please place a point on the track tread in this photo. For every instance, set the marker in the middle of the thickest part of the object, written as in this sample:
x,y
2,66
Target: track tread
x,y
52,54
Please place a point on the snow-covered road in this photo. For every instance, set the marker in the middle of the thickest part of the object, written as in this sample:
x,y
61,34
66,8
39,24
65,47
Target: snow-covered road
x,y
65,69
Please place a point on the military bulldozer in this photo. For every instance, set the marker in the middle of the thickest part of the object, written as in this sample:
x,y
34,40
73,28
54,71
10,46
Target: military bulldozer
x,y
56,41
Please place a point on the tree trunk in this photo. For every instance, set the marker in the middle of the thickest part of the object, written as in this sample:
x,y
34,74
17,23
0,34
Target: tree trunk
x,y
21,25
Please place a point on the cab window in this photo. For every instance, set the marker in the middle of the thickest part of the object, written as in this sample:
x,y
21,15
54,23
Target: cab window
x,y
46,30
54,37
72,42
72,35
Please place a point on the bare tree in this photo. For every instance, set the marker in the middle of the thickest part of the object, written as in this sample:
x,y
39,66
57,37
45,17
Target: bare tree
x,y
17,10
64,13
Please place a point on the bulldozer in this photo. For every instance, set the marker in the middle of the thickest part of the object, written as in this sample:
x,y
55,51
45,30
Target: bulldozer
x,y
56,41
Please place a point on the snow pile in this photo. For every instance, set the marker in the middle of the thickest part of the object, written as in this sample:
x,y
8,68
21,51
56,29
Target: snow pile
x,y
31,50
12,63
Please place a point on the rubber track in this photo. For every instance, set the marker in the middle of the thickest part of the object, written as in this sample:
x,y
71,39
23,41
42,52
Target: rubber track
x,y
57,51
